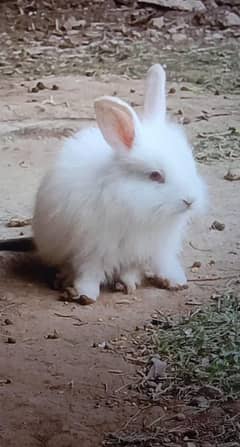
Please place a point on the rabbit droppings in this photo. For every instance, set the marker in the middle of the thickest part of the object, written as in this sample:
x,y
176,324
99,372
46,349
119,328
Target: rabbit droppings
x,y
119,197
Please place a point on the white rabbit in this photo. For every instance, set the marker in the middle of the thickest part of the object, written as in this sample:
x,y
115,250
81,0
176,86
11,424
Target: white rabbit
x,y
119,197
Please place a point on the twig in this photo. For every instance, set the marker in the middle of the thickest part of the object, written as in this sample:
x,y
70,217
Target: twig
x,y
80,324
193,314
235,417
156,420
214,134
199,249
214,115
216,278
68,316
202,49
132,418
220,114
121,388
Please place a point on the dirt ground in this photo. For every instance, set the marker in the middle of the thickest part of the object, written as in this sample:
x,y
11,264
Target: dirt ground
x,y
59,386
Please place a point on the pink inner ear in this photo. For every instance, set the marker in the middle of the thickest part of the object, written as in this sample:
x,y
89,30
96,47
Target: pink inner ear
x,y
125,128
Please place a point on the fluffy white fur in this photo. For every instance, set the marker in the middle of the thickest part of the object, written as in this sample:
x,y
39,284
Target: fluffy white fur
x,y
98,213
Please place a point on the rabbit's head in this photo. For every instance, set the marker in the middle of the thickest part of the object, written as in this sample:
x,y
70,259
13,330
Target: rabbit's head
x,y
153,171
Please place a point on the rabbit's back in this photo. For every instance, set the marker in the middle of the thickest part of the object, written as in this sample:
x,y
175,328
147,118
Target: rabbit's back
x,y
86,149
68,195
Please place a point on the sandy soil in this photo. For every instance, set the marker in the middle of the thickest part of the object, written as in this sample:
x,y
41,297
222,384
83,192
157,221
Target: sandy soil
x,y
61,391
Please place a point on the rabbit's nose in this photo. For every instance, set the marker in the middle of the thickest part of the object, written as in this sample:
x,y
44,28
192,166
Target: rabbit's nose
x,y
188,202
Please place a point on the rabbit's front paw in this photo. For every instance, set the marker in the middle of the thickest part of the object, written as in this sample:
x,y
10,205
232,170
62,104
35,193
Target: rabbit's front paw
x,y
70,294
83,292
87,290
174,279
165,283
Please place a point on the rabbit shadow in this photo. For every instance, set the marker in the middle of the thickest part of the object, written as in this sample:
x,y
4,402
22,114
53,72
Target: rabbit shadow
x,y
29,268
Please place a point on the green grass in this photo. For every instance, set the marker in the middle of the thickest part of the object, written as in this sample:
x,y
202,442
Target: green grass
x,y
205,348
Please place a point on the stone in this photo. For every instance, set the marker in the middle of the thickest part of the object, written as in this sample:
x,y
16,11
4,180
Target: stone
x,y
179,37
180,5
157,22
230,19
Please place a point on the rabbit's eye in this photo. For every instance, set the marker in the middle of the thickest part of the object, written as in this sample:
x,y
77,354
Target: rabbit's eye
x,y
157,176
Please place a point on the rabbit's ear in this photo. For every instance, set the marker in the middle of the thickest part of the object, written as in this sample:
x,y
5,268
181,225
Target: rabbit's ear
x,y
155,95
117,122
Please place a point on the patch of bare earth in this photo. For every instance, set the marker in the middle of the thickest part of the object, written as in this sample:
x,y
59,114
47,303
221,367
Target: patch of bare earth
x,y
67,375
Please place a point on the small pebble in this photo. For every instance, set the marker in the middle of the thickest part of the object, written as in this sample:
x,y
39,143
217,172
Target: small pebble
x,y
217,226
11,340
5,381
89,73
172,91
104,345
7,321
34,90
53,336
196,264
132,90
184,88
55,87
40,85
